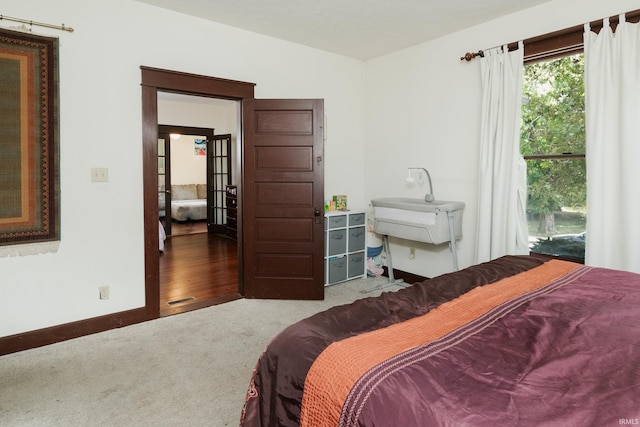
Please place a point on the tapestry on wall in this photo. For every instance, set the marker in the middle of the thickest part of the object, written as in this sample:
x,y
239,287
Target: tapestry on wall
x,y
29,152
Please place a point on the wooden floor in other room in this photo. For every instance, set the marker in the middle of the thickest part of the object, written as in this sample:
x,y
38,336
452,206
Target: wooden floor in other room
x,y
197,270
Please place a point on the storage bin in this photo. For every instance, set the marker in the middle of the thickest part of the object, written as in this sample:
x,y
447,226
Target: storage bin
x,y
355,264
337,269
337,242
356,219
356,238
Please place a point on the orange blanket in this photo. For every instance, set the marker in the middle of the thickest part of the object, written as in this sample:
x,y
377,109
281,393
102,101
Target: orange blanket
x,y
340,365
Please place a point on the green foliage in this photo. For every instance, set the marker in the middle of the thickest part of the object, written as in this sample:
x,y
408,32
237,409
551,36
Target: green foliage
x,y
553,123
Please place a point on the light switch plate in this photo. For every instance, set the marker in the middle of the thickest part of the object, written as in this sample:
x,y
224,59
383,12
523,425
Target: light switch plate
x,y
99,174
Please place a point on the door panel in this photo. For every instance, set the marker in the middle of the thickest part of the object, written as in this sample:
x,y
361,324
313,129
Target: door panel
x,y
282,122
288,195
296,158
285,229
284,266
283,199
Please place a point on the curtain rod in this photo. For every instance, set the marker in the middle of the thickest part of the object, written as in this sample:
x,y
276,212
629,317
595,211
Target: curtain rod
x,y
540,47
39,24
471,55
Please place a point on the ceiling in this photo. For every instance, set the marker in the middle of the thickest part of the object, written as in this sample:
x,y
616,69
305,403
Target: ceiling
x,y
361,29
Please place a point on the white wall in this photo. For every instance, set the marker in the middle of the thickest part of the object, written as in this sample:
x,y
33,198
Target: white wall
x,y
101,223
186,167
186,110
429,104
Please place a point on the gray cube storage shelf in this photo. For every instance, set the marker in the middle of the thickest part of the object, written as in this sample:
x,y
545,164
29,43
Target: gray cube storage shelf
x,y
344,253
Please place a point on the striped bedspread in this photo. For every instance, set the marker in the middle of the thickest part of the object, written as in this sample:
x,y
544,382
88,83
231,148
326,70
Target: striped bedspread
x,y
516,341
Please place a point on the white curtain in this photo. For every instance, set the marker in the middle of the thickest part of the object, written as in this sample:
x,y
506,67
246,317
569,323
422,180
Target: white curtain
x,y
612,96
502,224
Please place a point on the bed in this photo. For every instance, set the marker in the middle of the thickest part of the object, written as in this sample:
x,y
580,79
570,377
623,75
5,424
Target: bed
x,y
189,210
515,341
188,202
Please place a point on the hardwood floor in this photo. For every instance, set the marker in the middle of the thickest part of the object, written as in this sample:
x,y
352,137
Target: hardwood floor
x,y
197,270
188,227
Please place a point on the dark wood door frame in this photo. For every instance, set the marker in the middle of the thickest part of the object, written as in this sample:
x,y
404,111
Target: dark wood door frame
x,y
154,80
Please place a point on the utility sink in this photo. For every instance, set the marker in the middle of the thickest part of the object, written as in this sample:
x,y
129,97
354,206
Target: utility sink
x,y
434,222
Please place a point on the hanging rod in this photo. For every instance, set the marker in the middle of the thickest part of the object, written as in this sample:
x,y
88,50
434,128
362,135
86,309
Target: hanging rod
x,y
39,24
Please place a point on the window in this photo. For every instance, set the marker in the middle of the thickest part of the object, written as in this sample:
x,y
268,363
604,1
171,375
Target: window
x,y
552,141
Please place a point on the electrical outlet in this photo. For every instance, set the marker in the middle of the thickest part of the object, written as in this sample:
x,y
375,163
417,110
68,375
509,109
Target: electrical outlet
x,y
104,292
412,253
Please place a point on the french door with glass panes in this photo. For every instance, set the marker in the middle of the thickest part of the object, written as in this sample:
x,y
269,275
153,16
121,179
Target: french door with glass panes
x,y
218,177
164,181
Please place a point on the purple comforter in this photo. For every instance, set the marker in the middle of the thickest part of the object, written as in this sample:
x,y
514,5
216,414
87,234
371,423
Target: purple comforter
x,y
567,356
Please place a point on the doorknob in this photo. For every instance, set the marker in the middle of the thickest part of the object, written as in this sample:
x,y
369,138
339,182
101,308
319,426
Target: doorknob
x,y
316,213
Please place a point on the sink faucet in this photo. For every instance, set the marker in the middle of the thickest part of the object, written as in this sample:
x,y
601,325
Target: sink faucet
x,y
429,196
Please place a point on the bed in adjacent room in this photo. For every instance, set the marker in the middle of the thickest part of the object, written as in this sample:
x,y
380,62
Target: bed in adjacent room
x,y
188,202
516,341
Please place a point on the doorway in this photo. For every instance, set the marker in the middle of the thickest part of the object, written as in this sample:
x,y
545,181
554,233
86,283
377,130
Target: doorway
x,y
183,179
155,81
267,127
198,264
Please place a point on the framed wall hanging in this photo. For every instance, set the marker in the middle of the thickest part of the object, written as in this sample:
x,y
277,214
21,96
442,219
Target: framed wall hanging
x,y
29,146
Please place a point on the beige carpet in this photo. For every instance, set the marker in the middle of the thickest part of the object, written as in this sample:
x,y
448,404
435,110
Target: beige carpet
x,y
190,369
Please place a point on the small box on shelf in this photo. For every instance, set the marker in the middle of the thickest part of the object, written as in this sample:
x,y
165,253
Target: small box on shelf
x,y
340,202
336,203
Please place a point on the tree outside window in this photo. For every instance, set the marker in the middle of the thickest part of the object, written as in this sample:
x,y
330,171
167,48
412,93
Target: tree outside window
x,y
552,141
